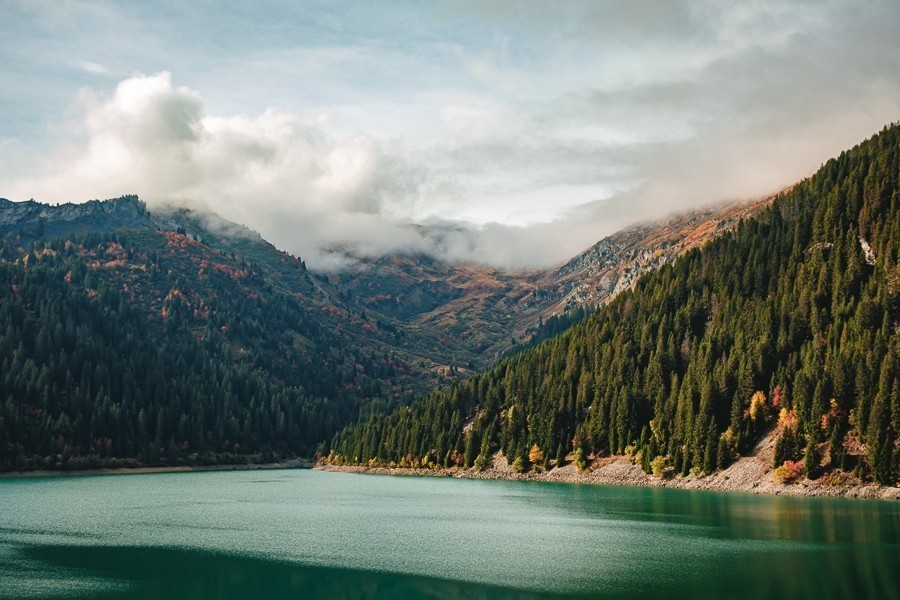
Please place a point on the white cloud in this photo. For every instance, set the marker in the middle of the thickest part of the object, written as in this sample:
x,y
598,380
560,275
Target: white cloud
x,y
327,128
92,68
274,172
313,194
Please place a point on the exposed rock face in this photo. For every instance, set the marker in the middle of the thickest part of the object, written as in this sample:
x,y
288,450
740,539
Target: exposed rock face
x,y
614,263
32,219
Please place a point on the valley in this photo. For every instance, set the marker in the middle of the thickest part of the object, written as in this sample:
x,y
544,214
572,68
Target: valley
x,y
90,280
479,300
263,359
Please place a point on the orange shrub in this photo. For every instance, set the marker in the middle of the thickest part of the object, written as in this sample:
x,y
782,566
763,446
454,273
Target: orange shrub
x,y
789,472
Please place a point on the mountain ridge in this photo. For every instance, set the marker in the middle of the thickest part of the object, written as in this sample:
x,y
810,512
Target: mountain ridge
x,y
493,309
208,291
485,297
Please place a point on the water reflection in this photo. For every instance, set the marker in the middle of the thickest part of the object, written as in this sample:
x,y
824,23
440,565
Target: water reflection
x,y
827,520
707,544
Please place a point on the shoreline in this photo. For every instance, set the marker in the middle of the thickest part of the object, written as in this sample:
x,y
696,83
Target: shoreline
x,y
289,464
750,474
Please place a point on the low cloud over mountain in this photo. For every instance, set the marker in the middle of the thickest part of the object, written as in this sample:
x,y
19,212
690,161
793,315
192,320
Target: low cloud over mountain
x,y
493,132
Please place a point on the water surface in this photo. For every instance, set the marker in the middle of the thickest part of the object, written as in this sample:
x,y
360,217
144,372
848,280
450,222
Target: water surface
x,y
312,534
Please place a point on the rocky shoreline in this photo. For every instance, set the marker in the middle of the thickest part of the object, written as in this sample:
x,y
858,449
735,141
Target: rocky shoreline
x,y
752,474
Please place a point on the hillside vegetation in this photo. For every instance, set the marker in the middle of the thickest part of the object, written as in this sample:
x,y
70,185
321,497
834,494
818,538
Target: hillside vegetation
x,y
153,347
788,322
177,337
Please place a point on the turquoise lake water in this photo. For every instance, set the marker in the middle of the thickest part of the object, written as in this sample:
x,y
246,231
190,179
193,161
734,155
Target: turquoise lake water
x,y
310,534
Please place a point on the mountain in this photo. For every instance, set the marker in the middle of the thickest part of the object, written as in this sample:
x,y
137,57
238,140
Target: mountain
x,y
474,314
177,336
174,337
788,325
453,318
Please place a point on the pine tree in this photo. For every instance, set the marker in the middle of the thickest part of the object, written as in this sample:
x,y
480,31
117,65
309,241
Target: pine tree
x,y
812,458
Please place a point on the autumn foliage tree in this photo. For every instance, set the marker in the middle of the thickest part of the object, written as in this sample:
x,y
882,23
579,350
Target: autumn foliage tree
x,y
536,455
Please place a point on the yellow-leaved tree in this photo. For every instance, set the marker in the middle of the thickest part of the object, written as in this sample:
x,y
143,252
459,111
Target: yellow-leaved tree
x,y
536,455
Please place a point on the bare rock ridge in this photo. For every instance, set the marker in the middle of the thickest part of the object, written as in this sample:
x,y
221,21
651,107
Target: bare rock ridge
x,y
34,219
614,263
31,218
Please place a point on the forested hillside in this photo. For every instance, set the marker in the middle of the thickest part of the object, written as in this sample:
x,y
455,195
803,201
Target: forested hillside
x,y
152,346
789,323
179,337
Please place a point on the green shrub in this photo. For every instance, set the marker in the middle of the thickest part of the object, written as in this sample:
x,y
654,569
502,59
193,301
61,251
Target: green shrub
x,y
580,459
660,466
520,465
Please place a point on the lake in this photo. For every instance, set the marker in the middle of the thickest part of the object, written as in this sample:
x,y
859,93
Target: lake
x,y
311,534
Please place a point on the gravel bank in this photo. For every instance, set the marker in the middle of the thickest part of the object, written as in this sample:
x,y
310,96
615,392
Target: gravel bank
x,y
748,474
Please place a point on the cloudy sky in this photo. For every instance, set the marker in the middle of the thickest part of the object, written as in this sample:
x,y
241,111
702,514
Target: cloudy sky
x,y
512,133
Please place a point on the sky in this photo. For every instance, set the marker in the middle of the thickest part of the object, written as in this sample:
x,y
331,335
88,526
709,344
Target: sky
x,y
510,133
